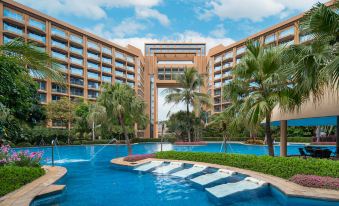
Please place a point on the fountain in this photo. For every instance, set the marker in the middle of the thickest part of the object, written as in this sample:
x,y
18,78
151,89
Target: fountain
x,y
95,154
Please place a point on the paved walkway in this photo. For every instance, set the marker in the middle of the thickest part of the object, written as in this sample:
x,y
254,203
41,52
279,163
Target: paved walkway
x,y
41,186
287,187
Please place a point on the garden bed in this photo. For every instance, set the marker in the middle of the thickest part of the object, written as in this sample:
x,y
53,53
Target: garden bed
x,y
284,167
134,158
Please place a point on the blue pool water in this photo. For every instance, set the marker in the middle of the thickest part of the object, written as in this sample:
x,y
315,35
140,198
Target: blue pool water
x,y
91,179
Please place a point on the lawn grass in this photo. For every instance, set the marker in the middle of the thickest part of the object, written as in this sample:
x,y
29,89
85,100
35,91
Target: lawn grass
x,y
14,177
284,167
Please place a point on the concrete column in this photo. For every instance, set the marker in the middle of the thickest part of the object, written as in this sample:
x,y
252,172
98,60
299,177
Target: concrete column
x,y
337,138
283,138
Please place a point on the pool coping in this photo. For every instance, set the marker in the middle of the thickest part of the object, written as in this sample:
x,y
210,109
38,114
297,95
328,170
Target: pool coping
x,y
39,187
288,188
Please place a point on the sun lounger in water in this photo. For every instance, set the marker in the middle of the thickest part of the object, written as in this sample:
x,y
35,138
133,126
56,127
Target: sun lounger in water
x,y
149,166
171,167
189,171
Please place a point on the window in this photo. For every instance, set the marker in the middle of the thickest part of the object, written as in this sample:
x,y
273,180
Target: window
x,y
92,55
227,81
131,84
59,44
130,68
119,64
226,73
77,91
92,45
58,32
217,68
119,73
217,92
92,65
270,39
241,50
106,69
76,50
76,60
7,39
93,85
217,76
12,14
42,98
62,67
228,55
13,28
59,89
217,59
130,76
77,81
93,75
119,81
76,39
37,24
119,55
55,98
107,60
107,50
59,55
217,84
42,85
77,71
161,73
106,78
130,59
93,94
287,32
37,37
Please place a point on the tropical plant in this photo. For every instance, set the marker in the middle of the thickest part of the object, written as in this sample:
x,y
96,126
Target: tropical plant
x,y
81,114
96,117
63,111
177,124
189,93
260,83
123,108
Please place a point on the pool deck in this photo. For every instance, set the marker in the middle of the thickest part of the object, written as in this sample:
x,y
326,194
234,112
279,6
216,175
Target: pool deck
x,y
39,187
287,187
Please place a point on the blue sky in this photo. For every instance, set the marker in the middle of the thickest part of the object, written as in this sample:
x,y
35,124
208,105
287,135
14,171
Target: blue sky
x,y
138,21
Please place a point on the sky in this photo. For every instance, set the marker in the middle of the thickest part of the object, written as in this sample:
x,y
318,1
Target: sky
x,y
138,21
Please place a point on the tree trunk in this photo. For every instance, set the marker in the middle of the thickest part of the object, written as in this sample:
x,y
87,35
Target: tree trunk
x,y
269,135
69,133
225,142
122,123
93,131
188,122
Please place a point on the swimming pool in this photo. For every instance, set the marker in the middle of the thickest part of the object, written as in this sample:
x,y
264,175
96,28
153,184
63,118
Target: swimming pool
x,y
92,180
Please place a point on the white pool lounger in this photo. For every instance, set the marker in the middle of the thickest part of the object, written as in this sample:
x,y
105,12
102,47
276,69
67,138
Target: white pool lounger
x,y
148,166
227,190
190,171
206,179
173,166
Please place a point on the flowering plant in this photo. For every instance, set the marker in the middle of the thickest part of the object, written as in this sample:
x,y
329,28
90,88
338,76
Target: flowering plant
x,y
22,158
316,181
134,158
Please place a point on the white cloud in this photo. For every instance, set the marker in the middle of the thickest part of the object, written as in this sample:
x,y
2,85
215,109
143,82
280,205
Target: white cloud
x,y
253,10
91,9
144,12
219,31
127,27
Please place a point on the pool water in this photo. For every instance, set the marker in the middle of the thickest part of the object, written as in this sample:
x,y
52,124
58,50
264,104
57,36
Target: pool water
x,y
91,179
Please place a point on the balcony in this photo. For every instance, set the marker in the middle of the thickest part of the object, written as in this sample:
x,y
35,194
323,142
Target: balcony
x,y
77,61
77,71
227,81
130,76
270,39
59,45
77,81
93,85
76,39
37,37
289,32
92,45
91,65
217,84
119,55
13,15
217,59
106,60
130,59
13,29
92,94
59,33
130,68
76,50
77,91
106,79
93,75
37,25
241,50
93,56
106,50
106,69
120,65
120,73
59,56
228,55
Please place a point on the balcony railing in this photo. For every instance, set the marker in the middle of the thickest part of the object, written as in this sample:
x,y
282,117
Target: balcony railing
x,y
76,39
12,28
76,60
13,15
106,69
286,32
107,50
37,37
59,44
76,50
58,32
37,24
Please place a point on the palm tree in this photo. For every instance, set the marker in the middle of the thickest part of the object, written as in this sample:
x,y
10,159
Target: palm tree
x,y
97,115
28,55
260,83
124,108
189,93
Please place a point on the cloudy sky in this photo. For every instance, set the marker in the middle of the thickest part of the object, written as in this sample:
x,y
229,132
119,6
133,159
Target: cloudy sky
x,y
138,21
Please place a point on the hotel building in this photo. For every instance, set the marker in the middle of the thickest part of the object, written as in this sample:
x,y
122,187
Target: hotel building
x,y
88,61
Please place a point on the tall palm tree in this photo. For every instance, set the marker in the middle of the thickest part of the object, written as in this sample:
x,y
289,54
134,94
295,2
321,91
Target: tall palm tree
x,y
27,55
124,108
260,83
189,93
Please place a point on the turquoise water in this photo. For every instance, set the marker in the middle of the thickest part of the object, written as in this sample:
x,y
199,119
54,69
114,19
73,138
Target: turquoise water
x,y
91,179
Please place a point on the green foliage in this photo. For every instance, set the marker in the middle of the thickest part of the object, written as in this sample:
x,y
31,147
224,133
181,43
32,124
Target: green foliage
x,y
39,133
141,140
284,167
177,124
14,177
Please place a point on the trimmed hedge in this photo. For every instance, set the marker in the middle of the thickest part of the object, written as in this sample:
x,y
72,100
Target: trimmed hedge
x,y
141,140
14,177
284,167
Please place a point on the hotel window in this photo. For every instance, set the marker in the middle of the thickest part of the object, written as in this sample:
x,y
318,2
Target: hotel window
x,y
119,55
217,92
42,85
228,55
77,71
130,68
217,68
107,60
217,84
93,85
76,38
237,61
217,76
92,45
13,28
76,60
130,76
76,50
55,98
59,44
119,64
42,98
161,74
77,91
12,14
106,78
119,73
241,50
119,81
59,55
92,55
227,65
77,81
106,69
62,67
227,81
269,39
37,24
227,73
287,32
131,84
7,39
93,94
167,73
130,59
37,37
217,59
58,32
58,89
92,75
93,65
107,50
305,37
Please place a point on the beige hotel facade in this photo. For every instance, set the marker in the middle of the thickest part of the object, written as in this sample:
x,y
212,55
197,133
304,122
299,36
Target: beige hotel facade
x,y
88,61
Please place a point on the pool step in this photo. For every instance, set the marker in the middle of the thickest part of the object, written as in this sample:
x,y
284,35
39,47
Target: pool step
x,y
148,166
207,179
171,167
190,171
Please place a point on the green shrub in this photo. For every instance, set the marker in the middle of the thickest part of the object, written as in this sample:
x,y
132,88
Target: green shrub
x,y
141,140
254,141
284,167
13,177
23,144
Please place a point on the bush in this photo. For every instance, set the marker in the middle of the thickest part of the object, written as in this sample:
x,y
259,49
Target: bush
x,y
37,134
141,140
22,158
14,177
284,167
23,144
316,181
254,141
